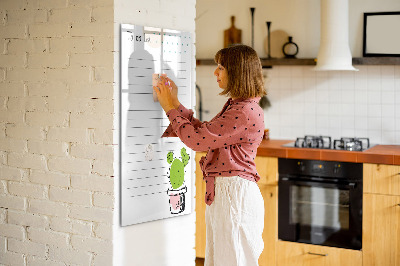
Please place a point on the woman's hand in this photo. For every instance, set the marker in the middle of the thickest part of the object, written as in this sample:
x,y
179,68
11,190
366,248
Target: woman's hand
x,y
164,94
174,93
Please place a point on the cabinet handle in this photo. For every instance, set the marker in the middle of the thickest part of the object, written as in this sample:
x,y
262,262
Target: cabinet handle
x,y
318,254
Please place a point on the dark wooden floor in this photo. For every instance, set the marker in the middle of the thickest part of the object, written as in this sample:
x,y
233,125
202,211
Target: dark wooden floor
x,y
199,262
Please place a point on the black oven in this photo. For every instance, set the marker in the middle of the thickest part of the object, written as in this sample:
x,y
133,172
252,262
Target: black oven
x,y
320,202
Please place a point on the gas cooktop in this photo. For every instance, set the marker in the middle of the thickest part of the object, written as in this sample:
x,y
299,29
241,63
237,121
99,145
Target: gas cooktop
x,y
325,142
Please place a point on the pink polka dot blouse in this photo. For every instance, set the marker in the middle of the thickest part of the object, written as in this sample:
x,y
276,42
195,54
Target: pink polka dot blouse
x,y
231,139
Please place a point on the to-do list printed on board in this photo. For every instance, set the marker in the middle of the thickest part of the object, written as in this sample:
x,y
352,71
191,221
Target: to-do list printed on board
x,y
145,170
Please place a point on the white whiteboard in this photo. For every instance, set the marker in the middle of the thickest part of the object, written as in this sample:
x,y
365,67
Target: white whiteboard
x,y
146,192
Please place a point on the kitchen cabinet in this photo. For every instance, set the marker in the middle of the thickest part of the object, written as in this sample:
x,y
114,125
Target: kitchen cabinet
x,y
200,209
381,215
381,221
381,179
267,168
270,233
381,230
298,254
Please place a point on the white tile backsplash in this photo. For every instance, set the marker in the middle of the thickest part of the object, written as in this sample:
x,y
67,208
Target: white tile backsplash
x,y
374,97
397,123
388,83
388,97
374,110
388,111
364,103
388,72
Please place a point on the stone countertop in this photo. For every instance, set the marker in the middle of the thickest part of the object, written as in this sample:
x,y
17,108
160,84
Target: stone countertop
x,y
378,154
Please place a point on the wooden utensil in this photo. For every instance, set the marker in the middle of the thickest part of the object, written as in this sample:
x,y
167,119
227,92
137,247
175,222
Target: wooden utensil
x,y
232,35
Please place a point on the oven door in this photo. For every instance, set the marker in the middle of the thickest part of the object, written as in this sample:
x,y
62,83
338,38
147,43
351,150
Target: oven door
x,y
320,212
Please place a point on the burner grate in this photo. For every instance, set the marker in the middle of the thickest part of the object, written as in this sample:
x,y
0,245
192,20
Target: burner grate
x,y
351,144
324,142
320,142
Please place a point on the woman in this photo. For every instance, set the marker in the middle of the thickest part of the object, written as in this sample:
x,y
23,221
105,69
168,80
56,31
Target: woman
x,y
235,207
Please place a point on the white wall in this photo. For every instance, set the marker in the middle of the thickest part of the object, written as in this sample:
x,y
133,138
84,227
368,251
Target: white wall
x,y
56,119
338,104
298,18
169,241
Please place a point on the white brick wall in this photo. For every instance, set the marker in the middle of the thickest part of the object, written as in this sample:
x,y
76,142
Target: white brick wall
x,y
56,122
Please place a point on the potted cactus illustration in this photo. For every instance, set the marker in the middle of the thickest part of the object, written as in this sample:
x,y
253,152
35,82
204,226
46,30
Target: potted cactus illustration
x,y
177,178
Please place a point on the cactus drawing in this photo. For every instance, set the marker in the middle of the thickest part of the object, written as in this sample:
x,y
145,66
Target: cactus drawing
x,y
177,173
176,178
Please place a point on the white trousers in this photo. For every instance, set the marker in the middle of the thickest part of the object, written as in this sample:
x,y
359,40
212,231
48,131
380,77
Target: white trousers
x,y
234,223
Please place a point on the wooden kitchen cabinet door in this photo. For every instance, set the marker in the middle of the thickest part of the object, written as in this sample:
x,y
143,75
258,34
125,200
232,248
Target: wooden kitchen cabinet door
x,y
298,254
381,230
270,233
381,179
200,209
267,168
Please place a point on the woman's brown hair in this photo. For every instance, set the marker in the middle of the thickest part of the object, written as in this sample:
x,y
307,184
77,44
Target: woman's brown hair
x,y
245,78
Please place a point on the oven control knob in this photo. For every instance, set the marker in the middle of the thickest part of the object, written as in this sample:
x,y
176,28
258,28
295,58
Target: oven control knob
x,y
302,167
336,169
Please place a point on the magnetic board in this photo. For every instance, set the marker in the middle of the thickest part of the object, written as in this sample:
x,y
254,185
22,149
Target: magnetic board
x,y
150,163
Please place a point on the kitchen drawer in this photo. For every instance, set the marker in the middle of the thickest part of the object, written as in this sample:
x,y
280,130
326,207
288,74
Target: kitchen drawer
x,y
381,230
298,254
267,168
381,179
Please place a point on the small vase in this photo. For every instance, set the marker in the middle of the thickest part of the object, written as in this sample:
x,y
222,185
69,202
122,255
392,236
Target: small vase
x,y
290,49
177,200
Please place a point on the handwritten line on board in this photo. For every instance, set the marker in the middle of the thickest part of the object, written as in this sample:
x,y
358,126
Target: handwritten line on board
x,y
139,137
136,153
153,168
140,67
154,143
138,178
166,183
151,160
148,194
143,59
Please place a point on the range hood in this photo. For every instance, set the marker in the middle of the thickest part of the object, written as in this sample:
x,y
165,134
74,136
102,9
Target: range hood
x,y
334,51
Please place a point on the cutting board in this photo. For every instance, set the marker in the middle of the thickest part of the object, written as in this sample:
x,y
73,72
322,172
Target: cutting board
x,y
232,35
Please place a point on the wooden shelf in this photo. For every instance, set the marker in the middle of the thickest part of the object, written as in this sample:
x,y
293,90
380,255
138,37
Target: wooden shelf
x,y
312,61
376,61
288,62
